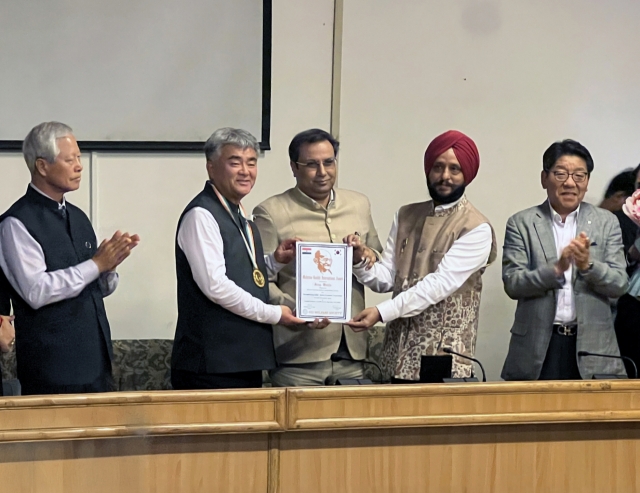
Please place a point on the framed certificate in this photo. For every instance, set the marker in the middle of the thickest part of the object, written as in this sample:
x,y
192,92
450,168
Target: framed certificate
x,y
323,281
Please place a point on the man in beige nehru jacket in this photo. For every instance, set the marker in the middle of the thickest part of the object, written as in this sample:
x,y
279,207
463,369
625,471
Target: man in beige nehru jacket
x,y
315,211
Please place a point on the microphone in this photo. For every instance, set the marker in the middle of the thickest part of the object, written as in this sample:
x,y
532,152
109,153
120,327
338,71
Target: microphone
x,y
337,357
451,351
623,358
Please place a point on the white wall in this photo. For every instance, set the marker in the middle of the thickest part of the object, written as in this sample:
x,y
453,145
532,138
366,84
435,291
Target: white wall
x,y
145,194
515,75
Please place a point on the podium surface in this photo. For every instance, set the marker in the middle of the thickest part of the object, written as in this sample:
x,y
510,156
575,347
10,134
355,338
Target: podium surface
x,y
492,437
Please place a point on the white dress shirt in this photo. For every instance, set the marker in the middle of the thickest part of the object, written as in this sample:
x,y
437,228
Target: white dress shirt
x,y
563,233
468,254
200,239
22,260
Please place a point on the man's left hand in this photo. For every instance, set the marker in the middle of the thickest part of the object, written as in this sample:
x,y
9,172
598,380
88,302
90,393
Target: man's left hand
x,y
581,251
364,320
286,251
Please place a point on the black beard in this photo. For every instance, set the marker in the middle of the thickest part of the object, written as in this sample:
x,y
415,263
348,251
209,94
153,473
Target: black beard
x,y
445,199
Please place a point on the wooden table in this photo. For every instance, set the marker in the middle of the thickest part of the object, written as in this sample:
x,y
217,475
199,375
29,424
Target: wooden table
x,y
494,437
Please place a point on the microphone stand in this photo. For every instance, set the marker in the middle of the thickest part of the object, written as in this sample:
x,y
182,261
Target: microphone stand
x,y
451,351
624,358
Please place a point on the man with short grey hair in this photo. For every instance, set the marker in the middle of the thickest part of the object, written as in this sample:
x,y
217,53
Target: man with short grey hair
x,y
56,273
223,335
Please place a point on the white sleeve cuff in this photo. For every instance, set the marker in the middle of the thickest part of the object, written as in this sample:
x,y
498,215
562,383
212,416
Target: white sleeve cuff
x,y
388,311
274,314
89,271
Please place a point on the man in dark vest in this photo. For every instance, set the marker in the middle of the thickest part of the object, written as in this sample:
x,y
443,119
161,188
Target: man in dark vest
x,y
57,275
433,263
223,336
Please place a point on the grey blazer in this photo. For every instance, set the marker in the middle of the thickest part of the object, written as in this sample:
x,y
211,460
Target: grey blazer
x,y
529,255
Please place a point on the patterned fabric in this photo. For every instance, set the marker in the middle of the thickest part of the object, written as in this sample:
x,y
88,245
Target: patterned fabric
x,y
451,323
142,364
146,364
427,233
375,342
8,362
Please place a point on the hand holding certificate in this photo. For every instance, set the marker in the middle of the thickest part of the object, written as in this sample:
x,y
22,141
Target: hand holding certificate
x,y
323,281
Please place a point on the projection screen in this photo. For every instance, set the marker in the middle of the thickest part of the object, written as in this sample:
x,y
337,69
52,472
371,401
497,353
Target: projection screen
x,y
135,74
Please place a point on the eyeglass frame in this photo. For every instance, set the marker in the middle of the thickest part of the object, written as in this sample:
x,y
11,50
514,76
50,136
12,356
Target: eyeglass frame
x,y
554,173
316,164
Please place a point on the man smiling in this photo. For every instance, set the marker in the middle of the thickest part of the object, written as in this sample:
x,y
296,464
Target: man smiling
x,y
433,262
315,210
223,335
562,261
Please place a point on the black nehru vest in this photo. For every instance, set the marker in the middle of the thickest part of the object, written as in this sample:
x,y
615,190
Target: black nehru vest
x,y
209,338
67,342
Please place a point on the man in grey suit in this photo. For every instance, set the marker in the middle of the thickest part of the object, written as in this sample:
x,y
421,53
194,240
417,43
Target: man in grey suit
x,y
562,261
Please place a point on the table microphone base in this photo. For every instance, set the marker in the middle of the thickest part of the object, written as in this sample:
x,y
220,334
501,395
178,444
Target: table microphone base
x,y
460,380
350,381
605,376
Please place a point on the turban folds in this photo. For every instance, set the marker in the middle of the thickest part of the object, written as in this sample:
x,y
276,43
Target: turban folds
x,y
463,147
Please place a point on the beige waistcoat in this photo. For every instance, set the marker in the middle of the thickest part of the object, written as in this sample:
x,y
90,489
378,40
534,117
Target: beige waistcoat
x,y
293,214
424,236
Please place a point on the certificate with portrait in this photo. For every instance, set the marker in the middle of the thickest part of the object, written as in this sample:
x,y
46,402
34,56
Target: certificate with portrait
x,y
323,281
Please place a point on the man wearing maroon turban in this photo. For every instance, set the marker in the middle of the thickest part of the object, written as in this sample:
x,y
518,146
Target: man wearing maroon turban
x,y
435,255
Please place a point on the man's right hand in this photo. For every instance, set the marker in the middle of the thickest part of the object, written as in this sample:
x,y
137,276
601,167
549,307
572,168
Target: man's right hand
x,y
113,251
564,263
288,318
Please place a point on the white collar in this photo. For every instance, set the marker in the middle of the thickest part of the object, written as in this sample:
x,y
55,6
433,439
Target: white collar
x,y
558,218
444,207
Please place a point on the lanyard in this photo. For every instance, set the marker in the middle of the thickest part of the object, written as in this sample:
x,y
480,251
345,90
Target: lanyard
x,y
251,246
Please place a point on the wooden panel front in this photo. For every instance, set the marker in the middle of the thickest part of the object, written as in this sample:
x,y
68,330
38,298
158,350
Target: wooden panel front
x,y
580,458
142,413
213,463
462,404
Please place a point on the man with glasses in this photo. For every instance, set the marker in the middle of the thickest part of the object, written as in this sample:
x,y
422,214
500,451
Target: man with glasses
x,y
562,261
315,211
433,262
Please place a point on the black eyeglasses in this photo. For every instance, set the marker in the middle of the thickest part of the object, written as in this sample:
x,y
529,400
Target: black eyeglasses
x,y
327,163
578,176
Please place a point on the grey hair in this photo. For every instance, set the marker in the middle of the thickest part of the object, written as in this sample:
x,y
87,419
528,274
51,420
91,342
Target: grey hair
x,y
41,142
229,136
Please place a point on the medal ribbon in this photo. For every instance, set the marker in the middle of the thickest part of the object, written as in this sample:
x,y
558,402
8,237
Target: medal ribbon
x,y
251,245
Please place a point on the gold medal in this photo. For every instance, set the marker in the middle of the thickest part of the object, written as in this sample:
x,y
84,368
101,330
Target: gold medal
x,y
258,278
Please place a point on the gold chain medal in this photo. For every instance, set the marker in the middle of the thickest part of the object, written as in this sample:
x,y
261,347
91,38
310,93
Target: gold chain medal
x,y
258,278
